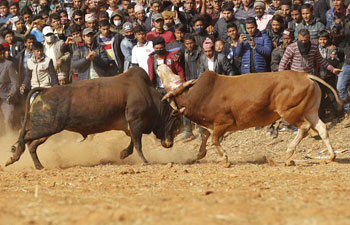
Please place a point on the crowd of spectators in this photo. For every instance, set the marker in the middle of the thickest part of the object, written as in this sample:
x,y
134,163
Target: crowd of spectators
x,y
46,43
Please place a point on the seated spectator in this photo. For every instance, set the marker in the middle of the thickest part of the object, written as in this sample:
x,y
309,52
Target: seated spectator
x,y
217,62
142,49
158,23
158,57
89,60
254,48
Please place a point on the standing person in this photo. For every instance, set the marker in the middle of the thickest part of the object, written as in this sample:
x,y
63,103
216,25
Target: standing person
x,y
42,71
277,53
217,62
304,55
178,43
52,49
262,18
9,83
142,49
255,48
158,57
295,13
339,7
274,30
230,48
23,57
245,11
5,15
312,24
127,44
158,23
89,61
15,45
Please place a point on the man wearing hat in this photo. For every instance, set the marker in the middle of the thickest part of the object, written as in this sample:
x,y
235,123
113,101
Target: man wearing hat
x,y
127,44
140,15
169,21
91,21
213,61
89,61
277,53
262,18
158,23
52,49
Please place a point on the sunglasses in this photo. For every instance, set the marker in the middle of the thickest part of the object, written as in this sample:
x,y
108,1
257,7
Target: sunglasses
x,y
79,18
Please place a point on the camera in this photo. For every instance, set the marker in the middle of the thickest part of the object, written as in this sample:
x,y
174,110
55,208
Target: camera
x,y
248,36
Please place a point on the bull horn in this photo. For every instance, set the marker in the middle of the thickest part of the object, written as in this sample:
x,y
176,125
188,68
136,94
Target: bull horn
x,y
168,95
182,110
177,112
173,104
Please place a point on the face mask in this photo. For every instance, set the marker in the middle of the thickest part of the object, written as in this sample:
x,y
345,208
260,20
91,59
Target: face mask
x,y
159,52
117,22
49,39
304,48
199,30
130,36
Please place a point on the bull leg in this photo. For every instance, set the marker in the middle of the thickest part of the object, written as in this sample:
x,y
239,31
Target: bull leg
x,y
302,132
136,136
32,150
317,124
127,151
218,131
203,149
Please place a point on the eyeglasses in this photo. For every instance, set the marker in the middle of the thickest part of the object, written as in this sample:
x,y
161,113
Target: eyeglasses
x,y
78,18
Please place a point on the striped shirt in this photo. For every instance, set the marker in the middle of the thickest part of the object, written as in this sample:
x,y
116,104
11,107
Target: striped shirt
x,y
292,59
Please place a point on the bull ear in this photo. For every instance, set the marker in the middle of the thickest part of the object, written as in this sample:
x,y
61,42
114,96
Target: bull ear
x,y
176,112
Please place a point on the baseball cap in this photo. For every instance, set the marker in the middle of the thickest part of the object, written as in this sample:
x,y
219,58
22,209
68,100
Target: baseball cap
x,y
47,30
87,31
157,16
127,26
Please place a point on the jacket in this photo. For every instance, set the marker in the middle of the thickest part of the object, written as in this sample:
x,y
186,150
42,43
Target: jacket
x,y
126,46
221,64
261,51
276,57
42,74
192,63
82,66
314,28
64,57
168,60
9,79
114,28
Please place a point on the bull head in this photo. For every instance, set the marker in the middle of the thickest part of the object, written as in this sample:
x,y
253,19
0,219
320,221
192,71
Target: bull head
x,y
170,80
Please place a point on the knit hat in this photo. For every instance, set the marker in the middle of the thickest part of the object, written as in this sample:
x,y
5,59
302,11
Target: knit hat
x,y
208,43
259,4
138,8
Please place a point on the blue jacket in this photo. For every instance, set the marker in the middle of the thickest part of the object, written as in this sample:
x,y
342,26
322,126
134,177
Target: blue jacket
x,y
262,52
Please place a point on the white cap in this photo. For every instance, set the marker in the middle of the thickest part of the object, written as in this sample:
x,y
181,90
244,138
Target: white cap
x,y
47,30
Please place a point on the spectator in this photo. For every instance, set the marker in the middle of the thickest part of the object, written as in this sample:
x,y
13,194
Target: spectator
x,y
131,12
158,57
313,25
219,46
178,44
23,57
169,22
295,13
274,30
155,9
91,22
88,59
14,44
339,7
187,14
112,7
230,48
246,10
254,48
46,76
9,83
320,10
20,28
117,19
304,55
127,44
158,23
140,15
78,18
217,62
274,7
14,9
262,18
110,42
36,28
52,49
220,29
199,31
5,15
58,28
277,53
142,49
237,5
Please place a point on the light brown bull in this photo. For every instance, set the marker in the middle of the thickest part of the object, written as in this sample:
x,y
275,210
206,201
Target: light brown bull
x,y
222,103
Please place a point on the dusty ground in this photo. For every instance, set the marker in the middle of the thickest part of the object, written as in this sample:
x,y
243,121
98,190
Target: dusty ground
x,y
86,183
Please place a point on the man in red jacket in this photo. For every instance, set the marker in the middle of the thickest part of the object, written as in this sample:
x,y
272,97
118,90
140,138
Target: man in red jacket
x,y
158,57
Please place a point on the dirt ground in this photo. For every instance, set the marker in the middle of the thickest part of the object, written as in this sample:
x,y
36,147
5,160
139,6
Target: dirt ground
x,y
87,183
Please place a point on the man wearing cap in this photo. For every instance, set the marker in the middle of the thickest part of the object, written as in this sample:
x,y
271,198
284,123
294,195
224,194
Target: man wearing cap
x,y
277,53
9,83
213,61
52,49
127,44
262,18
158,23
91,21
89,61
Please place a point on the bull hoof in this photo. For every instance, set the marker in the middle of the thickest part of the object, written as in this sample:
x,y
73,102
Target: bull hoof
x,y
125,153
289,163
201,155
39,167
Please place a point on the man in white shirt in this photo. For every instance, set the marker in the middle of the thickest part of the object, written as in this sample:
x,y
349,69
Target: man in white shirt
x,y
262,18
142,49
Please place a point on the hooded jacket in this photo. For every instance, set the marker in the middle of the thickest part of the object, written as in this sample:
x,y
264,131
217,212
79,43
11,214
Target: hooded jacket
x,y
114,28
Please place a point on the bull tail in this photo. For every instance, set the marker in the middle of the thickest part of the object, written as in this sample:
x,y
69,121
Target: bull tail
x,y
337,98
27,106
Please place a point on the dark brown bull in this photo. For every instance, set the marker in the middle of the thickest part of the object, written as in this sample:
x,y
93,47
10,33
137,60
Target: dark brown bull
x,y
126,102
222,103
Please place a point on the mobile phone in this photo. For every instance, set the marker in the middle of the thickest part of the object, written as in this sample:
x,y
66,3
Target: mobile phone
x,y
248,36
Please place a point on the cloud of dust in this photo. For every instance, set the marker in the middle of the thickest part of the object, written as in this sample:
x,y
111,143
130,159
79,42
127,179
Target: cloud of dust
x,y
63,150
